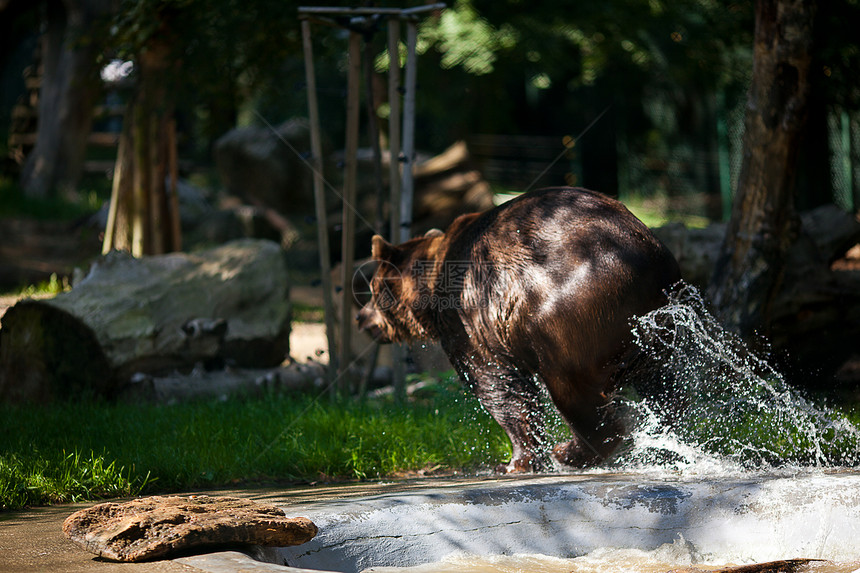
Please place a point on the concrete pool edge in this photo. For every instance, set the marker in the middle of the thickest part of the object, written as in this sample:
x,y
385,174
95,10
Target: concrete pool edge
x,y
569,515
237,562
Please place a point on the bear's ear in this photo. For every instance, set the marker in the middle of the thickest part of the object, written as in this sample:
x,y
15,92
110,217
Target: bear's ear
x,y
381,249
433,233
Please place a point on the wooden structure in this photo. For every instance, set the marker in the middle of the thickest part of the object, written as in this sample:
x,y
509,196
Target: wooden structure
x,y
23,129
360,21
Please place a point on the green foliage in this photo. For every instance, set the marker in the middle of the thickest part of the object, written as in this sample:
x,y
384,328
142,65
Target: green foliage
x,y
466,39
13,203
677,41
758,439
225,52
52,287
147,448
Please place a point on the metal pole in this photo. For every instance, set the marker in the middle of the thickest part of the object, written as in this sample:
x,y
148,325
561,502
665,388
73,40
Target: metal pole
x,y
319,201
398,352
394,126
349,192
408,131
373,136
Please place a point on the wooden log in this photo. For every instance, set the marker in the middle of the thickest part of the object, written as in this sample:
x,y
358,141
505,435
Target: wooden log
x,y
398,371
228,305
320,202
782,566
206,385
350,174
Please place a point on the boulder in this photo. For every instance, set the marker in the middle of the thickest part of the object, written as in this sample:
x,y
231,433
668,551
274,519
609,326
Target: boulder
x,y
267,165
160,527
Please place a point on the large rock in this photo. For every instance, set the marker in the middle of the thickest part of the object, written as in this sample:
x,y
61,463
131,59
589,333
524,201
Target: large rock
x,y
264,164
159,527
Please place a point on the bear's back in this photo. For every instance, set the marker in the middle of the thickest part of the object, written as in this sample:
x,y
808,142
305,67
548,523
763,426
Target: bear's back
x,y
561,268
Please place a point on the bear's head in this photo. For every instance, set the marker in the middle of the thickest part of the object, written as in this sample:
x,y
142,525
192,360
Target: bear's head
x,y
403,274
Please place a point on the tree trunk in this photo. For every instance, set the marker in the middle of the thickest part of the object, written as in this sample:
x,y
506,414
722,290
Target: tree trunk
x,y
154,315
764,223
67,98
144,217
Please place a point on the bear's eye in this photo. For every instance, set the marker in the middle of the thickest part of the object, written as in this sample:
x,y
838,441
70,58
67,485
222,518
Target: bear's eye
x,y
382,293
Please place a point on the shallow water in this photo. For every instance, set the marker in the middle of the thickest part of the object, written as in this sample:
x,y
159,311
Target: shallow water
x,y
621,519
732,410
661,560
712,524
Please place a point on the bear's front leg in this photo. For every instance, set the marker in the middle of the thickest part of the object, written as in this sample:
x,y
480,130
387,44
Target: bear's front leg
x,y
513,399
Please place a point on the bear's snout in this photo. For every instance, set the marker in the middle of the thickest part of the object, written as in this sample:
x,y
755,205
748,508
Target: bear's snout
x,y
370,320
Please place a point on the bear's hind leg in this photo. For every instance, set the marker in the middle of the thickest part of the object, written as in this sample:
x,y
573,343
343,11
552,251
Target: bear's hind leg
x,y
597,428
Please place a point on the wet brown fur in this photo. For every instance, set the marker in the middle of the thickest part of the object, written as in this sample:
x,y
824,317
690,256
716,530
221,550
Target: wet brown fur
x,y
539,290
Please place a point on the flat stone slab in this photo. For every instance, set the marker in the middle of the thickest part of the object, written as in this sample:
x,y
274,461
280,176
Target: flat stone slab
x,y
158,527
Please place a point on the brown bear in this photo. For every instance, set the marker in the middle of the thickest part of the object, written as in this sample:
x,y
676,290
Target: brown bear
x,y
539,290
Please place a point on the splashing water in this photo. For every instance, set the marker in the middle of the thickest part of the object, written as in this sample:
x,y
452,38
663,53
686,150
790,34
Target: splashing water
x,y
728,408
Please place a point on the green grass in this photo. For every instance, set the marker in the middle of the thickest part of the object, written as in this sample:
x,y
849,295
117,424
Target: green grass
x,y
51,287
32,478
307,313
657,213
91,450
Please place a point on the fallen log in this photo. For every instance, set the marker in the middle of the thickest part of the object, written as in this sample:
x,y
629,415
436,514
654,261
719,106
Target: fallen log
x,y
154,315
203,384
782,566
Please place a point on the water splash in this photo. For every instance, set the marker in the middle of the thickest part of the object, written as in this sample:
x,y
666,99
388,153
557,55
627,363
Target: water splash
x,y
724,406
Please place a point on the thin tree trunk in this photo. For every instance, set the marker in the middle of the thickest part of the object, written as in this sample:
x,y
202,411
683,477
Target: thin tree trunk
x,y
147,218
67,98
118,231
764,223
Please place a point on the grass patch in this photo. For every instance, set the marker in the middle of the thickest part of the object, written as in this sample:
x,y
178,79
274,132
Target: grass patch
x,y
37,479
656,213
51,287
307,313
127,449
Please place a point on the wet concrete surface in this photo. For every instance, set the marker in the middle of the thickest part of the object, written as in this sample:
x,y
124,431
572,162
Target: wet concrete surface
x,y
815,515
33,541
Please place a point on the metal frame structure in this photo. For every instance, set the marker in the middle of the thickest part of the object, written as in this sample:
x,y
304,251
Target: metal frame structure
x,y
401,150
